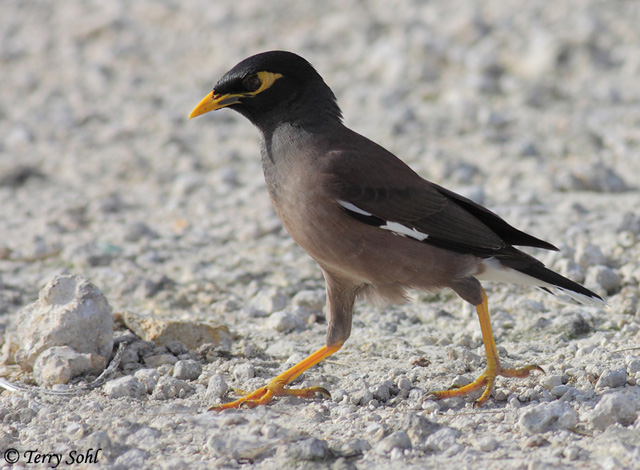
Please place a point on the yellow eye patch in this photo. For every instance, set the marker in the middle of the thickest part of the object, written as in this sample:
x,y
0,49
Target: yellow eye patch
x,y
266,80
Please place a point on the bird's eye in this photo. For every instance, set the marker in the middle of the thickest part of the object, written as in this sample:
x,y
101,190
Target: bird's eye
x,y
252,83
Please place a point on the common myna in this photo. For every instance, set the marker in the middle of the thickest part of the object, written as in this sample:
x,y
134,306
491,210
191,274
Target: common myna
x,y
373,225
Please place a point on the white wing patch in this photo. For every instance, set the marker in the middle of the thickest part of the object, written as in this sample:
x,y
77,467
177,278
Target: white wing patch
x,y
394,227
352,208
400,229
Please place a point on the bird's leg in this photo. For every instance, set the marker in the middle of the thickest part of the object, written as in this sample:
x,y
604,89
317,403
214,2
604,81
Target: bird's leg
x,y
488,377
275,388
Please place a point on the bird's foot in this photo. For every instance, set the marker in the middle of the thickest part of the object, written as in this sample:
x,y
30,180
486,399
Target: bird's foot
x,y
264,395
486,379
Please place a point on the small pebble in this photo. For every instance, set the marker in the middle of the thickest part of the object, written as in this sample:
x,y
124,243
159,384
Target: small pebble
x,y
169,387
589,255
127,386
311,300
460,381
216,387
243,371
269,301
404,383
338,395
396,440
514,402
608,279
551,381
560,391
133,458
309,449
571,453
547,416
138,230
381,392
430,406
157,360
615,407
633,366
487,444
270,430
285,322
612,378
99,440
74,431
148,378
177,348
441,440
187,370
361,397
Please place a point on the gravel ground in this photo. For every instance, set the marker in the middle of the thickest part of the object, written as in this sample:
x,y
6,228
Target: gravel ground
x,y
531,109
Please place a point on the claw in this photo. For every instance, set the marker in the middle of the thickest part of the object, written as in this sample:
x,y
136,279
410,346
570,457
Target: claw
x,y
276,388
486,379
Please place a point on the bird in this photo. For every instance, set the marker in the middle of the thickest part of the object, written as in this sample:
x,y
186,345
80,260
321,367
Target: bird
x,y
374,226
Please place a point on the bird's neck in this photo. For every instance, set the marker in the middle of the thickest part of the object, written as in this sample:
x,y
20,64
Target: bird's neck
x,y
289,150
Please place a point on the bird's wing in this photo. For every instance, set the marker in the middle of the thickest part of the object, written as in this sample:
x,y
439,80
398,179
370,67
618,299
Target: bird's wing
x,y
385,192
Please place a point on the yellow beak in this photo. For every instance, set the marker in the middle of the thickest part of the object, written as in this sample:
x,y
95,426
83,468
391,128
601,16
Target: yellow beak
x,y
211,102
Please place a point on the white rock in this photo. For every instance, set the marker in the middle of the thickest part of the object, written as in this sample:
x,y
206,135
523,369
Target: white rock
x,y
309,449
243,371
605,277
561,390
133,458
571,453
270,430
395,440
418,427
613,408
284,321
430,406
442,439
589,255
361,397
148,378
551,381
70,311
187,370
60,364
145,438
169,387
216,387
633,366
127,386
381,392
404,383
612,378
311,300
269,301
338,395
487,444
548,416
158,360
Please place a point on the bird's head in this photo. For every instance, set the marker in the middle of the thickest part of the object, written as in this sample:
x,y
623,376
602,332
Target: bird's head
x,y
272,88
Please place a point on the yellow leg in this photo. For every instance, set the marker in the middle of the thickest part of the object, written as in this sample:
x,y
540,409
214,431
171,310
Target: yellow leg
x,y
275,388
488,377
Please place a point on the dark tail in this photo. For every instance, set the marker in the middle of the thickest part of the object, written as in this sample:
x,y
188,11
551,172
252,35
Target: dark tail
x,y
566,286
